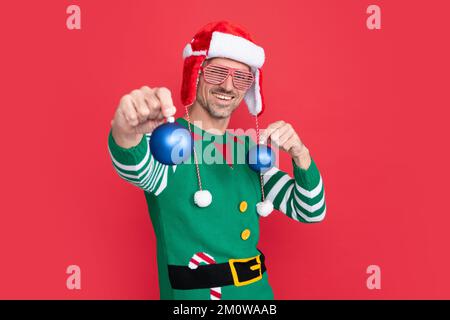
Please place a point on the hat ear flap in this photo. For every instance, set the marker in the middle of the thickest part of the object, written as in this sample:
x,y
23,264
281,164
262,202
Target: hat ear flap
x,y
191,71
253,97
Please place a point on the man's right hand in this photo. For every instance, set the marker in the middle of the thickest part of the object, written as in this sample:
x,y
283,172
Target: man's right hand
x,y
140,112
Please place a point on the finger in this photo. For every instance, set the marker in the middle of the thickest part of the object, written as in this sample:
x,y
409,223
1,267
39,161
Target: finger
x,y
271,128
290,143
278,136
276,133
148,126
140,105
152,101
165,98
285,133
128,110
154,105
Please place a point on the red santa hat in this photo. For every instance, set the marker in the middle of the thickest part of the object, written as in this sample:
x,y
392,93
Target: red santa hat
x,y
224,40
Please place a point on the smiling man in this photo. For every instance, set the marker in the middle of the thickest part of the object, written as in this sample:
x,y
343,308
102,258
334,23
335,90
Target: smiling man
x,y
206,215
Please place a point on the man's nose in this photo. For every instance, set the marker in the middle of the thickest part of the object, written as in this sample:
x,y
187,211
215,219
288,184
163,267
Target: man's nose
x,y
228,83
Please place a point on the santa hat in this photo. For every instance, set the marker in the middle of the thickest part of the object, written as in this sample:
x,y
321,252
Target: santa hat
x,y
223,40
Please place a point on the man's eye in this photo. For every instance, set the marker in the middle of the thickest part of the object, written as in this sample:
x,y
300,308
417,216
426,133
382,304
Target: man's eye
x,y
243,76
219,70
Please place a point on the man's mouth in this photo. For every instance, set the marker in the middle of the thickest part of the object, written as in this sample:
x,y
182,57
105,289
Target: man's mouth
x,y
223,96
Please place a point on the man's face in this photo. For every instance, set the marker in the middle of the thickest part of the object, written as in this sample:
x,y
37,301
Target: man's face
x,y
220,100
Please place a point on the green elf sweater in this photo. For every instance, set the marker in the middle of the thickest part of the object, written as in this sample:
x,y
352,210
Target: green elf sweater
x,y
229,227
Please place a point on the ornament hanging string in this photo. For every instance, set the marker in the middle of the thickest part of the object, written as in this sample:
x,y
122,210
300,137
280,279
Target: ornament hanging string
x,y
260,174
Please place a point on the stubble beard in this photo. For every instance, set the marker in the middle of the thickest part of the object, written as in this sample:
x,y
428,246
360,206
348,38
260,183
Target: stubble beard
x,y
215,111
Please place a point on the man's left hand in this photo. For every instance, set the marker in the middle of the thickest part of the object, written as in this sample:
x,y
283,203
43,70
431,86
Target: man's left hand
x,y
283,135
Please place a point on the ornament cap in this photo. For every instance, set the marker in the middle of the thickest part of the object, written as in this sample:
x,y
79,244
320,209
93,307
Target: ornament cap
x,y
202,198
264,208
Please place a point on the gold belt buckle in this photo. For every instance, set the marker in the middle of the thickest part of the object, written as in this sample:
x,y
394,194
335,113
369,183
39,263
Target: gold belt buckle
x,y
253,267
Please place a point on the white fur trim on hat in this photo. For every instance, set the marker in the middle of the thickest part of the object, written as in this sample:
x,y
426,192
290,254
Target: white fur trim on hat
x,y
253,96
264,208
226,45
202,198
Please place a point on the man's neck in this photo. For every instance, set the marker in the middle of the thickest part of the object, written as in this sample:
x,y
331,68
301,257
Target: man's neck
x,y
201,118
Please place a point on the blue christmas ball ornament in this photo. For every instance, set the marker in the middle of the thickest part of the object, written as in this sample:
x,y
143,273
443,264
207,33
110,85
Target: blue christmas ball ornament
x,y
171,143
260,158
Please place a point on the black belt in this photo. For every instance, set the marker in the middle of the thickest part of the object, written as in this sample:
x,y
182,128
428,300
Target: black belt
x,y
239,272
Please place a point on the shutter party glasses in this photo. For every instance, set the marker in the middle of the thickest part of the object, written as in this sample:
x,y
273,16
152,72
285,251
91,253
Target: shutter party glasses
x,y
217,74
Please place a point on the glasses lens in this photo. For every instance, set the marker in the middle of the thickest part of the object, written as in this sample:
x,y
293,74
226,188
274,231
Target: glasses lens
x,y
215,74
243,79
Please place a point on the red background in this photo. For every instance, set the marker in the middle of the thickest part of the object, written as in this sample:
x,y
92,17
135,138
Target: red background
x,y
371,105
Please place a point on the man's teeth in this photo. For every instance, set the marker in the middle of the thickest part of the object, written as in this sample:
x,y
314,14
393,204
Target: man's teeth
x,y
222,97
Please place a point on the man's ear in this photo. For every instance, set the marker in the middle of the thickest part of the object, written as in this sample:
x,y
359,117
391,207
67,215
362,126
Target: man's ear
x,y
205,62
